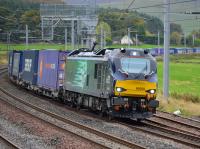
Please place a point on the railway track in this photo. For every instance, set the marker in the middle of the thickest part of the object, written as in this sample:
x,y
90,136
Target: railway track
x,y
164,131
185,135
177,122
178,116
8,143
3,70
99,133
175,129
167,133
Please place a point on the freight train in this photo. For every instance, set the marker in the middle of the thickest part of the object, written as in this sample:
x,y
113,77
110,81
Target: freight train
x,y
114,82
173,51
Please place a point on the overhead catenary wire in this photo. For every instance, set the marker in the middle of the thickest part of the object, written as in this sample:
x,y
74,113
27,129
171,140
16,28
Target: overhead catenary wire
x,y
184,20
131,4
171,3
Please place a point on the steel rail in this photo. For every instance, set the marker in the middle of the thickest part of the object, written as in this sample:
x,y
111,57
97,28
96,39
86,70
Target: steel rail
x,y
184,132
161,134
176,121
63,130
3,70
186,118
78,125
8,142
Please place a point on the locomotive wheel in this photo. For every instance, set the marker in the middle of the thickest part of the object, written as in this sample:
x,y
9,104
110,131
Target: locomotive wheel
x,y
78,107
139,120
78,103
102,113
110,117
103,108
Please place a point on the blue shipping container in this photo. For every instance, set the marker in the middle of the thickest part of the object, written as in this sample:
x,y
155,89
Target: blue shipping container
x,y
30,66
51,69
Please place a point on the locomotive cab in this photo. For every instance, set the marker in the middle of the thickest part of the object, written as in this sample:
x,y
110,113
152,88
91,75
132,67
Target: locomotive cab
x,y
134,75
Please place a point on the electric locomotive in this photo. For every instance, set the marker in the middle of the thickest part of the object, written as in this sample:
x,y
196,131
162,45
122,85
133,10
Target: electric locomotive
x,y
118,82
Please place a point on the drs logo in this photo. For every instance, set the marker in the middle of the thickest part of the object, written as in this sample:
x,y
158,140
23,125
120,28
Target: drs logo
x,y
28,64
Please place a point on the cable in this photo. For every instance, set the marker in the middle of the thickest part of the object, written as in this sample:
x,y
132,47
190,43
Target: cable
x,y
185,20
165,4
130,4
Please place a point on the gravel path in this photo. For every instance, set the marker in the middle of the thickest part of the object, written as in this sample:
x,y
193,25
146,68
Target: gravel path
x,y
30,132
116,129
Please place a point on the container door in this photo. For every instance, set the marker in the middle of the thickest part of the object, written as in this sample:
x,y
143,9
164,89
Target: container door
x,y
10,63
61,64
16,65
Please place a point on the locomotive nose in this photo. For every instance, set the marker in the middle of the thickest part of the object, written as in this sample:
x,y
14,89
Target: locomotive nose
x,y
135,88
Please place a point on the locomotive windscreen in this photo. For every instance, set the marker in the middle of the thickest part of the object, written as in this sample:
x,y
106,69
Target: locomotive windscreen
x,y
135,65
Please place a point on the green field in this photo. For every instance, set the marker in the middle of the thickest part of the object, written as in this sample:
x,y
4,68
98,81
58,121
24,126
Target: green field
x,y
37,46
184,76
58,46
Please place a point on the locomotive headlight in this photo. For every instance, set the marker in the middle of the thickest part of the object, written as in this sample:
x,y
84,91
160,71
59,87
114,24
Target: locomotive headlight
x,y
152,91
120,89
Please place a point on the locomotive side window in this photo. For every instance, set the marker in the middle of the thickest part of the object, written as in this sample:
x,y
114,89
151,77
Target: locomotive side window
x,y
101,78
87,80
95,71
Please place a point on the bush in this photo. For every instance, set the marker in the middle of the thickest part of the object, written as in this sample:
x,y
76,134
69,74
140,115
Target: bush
x,y
197,42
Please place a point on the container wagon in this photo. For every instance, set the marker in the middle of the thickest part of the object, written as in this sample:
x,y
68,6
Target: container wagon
x,y
50,76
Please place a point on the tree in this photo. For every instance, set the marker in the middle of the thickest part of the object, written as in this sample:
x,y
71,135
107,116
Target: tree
x,y
31,18
196,33
175,38
107,30
153,24
139,26
175,28
4,14
197,42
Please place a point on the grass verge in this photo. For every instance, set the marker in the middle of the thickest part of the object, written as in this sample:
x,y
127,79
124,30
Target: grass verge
x,y
3,58
187,108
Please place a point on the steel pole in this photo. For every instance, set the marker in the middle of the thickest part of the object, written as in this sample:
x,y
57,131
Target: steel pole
x,y
129,37
42,28
8,41
72,34
104,38
26,36
166,49
136,39
158,39
185,40
193,39
65,39
101,37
